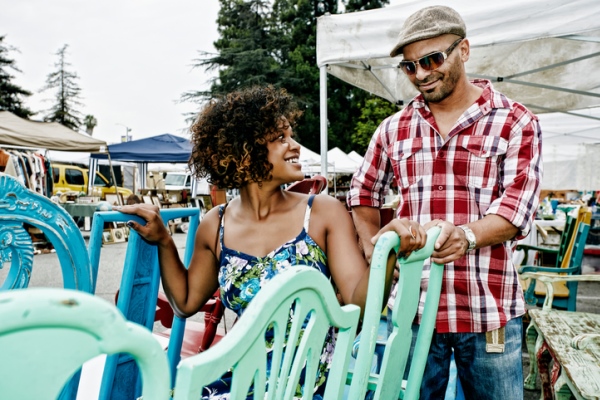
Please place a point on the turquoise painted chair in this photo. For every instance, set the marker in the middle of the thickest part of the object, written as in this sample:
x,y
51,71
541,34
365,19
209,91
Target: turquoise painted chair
x,y
565,292
138,294
47,334
243,349
387,384
19,205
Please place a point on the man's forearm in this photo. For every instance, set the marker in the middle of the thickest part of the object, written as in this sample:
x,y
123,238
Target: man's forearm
x,y
366,221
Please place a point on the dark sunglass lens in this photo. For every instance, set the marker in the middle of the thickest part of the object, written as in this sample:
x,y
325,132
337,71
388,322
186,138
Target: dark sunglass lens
x,y
432,61
408,67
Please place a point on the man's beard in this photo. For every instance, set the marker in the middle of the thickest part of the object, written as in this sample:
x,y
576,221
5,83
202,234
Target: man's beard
x,y
441,92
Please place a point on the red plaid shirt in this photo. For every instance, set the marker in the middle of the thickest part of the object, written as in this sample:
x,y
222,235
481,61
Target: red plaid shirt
x,y
490,163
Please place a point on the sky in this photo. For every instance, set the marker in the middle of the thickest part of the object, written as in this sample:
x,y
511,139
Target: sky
x,y
133,58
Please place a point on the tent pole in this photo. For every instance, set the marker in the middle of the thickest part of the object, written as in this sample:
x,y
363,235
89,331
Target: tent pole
x,y
114,180
323,119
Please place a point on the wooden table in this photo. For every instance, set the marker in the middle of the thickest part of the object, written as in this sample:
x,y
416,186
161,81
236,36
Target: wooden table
x,y
556,336
81,210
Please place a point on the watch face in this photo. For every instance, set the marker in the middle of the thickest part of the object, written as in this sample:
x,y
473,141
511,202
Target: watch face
x,y
470,237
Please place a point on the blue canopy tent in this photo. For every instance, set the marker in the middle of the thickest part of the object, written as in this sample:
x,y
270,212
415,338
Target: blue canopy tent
x,y
165,148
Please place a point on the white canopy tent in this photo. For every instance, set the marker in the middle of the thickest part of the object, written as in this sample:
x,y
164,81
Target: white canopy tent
x,y
571,150
542,53
356,157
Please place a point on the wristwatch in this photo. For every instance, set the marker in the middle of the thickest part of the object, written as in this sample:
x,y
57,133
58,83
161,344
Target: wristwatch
x,y
470,237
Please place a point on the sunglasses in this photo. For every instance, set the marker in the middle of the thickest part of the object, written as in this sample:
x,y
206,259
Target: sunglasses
x,y
429,62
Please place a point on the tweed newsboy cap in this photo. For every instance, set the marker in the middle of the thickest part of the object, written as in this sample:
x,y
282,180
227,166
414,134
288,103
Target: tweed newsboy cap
x,y
428,23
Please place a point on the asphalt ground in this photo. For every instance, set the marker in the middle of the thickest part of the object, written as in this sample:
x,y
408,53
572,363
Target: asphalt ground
x,y
46,273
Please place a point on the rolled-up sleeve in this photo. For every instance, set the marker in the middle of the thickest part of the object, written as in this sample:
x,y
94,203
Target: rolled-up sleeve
x,y
523,171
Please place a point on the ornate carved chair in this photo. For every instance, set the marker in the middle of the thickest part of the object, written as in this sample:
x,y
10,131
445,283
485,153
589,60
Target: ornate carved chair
x,y
19,206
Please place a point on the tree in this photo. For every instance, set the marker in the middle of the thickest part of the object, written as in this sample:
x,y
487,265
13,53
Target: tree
x,y
67,93
11,95
274,42
244,50
90,122
374,111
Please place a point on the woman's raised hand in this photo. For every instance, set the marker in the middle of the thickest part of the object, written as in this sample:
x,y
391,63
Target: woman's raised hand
x,y
154,230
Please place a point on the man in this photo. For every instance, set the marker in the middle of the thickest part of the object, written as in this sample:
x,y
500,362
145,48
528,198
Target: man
x,y
466,158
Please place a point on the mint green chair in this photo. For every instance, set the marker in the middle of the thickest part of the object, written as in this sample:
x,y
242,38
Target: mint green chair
x,y
388,383
47,334
243,349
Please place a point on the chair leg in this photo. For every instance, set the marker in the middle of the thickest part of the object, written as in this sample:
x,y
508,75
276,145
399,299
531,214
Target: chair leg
x,y
543,360
561,389
531,338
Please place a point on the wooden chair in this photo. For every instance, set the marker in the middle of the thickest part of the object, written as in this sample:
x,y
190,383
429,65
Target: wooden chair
x,y
314,185
243,349
18,206
559,251
388,383
138,294
564,293
47,334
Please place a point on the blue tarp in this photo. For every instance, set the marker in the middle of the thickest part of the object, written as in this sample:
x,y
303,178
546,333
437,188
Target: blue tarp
x,y
165,148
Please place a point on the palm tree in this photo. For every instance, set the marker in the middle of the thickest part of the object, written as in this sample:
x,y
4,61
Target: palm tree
x,y
90,123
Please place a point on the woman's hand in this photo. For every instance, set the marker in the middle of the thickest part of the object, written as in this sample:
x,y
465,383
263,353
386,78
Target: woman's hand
x,y
154,230
412,235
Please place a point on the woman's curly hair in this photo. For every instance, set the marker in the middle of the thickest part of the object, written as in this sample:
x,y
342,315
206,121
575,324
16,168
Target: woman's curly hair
x,y
230,135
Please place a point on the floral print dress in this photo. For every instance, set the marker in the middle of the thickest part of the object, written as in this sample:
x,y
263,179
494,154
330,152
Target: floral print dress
x,y
241,276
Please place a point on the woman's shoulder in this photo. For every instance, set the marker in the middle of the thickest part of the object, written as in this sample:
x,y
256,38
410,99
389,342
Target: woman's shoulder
x,y
328,206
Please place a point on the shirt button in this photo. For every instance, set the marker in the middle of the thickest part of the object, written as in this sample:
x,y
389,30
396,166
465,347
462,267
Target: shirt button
x,y
440,187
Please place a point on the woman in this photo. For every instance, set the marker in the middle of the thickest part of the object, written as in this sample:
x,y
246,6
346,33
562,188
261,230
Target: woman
x,y
245,141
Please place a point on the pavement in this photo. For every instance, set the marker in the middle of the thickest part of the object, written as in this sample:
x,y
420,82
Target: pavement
x,y
46,272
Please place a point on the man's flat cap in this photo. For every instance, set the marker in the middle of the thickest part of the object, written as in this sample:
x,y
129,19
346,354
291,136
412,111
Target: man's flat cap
x,y
428,23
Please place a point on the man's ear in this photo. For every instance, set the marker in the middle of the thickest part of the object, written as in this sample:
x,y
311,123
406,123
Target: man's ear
x,y
465,50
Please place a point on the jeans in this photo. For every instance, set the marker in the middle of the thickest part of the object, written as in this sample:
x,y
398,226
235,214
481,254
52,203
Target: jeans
x,y
483,375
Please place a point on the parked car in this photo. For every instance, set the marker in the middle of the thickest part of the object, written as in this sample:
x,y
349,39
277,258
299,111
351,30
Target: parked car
x,y
178,186
73,178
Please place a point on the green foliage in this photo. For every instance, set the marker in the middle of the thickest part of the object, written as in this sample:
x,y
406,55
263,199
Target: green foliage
x,y
67,93
274,42
11,95
374,111
90,122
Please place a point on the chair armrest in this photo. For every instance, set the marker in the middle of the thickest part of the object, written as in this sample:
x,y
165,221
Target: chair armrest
x,y
534,268
580,342
549,278
530,247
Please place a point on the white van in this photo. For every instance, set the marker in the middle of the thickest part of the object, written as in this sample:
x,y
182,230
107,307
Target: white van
x,y
178,185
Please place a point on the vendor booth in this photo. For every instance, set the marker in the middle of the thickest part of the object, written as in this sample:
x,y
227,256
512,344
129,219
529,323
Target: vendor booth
x,y
165,148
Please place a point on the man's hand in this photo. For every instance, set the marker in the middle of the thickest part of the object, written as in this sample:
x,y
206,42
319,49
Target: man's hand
x,y
451,244
412,235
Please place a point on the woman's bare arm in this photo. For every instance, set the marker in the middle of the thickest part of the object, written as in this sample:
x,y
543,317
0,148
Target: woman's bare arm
x,y
187,290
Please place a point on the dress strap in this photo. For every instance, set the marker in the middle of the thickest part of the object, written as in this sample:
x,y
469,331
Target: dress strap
x,y
222,225
307,213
